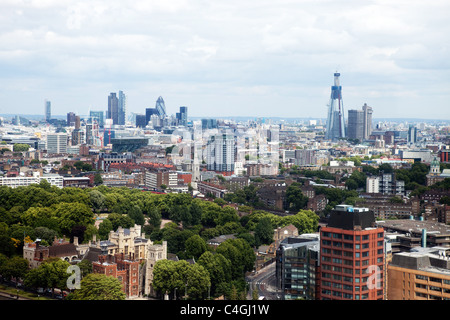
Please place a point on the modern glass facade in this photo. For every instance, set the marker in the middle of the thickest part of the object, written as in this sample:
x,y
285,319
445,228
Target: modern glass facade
x,y
298,267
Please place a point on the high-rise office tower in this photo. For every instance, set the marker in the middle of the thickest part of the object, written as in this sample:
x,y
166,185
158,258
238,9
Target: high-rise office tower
x,y
352,256
355,128
71,118
77,122
412,134
335,120
113,108
220,153
48,110
160,107
367,121
360,123
140,121
122,108
183,116
148,114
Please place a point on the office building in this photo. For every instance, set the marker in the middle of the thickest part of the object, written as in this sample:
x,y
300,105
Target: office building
x,y
122,108
140,121
160,107
422,274
149,112
352,256
360,123
220,153
71,118
48,110
209,124
412,135
182,116
155,178
367,121
56,143
297,267
96,117
113,108
355,129
335,127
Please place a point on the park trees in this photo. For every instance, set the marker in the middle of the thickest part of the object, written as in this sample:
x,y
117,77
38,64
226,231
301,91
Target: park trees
x,y
98,287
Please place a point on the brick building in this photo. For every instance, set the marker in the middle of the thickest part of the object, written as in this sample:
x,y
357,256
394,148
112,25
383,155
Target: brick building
x,y
123,267
352,256
422,274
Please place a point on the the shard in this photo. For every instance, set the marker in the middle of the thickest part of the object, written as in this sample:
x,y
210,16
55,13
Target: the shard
x,y
335,119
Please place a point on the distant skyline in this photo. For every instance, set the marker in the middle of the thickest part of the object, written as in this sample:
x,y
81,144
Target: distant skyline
x,y
253,58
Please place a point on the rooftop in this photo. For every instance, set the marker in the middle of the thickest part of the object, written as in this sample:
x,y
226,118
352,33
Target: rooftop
x,y
415,226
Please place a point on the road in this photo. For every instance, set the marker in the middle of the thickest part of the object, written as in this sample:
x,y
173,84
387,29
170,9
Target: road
x,y
264,281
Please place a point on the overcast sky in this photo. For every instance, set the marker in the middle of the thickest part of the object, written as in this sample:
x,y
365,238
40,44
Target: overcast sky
x,y
256,58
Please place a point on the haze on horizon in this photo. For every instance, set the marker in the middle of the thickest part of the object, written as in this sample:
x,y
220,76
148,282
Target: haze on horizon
x,y
253,58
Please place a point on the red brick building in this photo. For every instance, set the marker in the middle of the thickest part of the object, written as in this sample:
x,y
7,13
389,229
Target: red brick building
x,y
352,256
120,267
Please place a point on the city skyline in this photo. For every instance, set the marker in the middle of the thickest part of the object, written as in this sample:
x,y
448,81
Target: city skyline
x,y
260,58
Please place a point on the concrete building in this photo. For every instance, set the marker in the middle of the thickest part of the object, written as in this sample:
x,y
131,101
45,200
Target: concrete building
x,y
422,274
57,143
23,181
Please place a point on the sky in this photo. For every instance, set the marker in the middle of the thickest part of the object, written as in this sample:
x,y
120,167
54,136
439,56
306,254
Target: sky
x,y
255,58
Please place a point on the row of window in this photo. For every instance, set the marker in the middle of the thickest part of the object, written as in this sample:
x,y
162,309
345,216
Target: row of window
x,y
337,277
349,270
348,245
433,279
339,294
349,236
336,285
350,262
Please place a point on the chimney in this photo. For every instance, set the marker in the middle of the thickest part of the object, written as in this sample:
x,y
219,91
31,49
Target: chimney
x,y
75,241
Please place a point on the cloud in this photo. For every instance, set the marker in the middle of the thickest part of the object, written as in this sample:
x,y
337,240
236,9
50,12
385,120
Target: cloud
x,y
227,52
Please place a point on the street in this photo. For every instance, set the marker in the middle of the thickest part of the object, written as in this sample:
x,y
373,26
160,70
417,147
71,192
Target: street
x,y
264,281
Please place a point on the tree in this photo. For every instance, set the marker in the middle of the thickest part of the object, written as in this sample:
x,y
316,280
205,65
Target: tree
x,y
104,228
15,267
7,245
219,270
264,232
98,180
97,200
19,147
198,282
120,220
170,276
295,198
240,254
40,217
98,287
52,274
195,246
154,217
135,213
72,214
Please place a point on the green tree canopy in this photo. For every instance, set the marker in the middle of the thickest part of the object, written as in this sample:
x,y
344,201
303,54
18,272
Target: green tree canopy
x,y
98,287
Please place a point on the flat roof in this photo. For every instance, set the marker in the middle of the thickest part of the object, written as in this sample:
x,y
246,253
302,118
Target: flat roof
x,y
408,225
